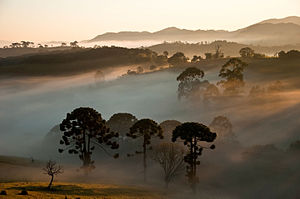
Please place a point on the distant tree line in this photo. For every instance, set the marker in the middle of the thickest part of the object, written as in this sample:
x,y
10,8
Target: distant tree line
x,y
30,44
289,55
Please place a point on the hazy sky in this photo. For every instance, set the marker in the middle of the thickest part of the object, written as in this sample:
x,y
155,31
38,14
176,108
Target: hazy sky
x,y
48,20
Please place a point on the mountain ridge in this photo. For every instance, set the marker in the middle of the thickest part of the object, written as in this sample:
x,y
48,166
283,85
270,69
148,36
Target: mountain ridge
x,y
267,32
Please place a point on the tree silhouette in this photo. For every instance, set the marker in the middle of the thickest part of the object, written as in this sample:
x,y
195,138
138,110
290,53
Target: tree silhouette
x,y
83,129
168,127
40,46
218,54
52,169
152,67
25,44
257,91
211,91
295,146
166,54
232,71
15,45
177,59
275,87
208,55
246,52
170,157
192,134
189,81
223,127
196,59
121,123
145,129
292,54
74,44
140,69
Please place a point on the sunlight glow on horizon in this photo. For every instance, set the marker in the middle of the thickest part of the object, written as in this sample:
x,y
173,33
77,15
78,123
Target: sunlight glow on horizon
x,y
65,20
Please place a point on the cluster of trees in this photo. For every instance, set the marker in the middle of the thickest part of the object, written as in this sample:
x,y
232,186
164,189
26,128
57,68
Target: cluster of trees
x,y
233,76
67,62
292,54
139,70
73,44
27,44
84,129
179,59
22,44
190,83
217,55
258,91
249,53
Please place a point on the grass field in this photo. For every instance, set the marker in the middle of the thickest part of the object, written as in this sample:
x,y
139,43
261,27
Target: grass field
x,y
73,190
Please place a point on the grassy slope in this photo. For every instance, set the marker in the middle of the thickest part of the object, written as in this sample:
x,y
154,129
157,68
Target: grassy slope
x,y
11,164
19,161
73,190
74,61
8,52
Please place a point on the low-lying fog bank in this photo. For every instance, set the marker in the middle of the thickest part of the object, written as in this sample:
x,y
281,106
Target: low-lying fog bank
x,y
31,107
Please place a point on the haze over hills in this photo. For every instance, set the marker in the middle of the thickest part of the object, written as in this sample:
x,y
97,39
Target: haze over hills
x,y
291,19
269,32
228,48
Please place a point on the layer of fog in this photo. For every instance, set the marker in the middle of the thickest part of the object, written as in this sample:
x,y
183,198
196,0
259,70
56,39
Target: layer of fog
x,y
29,108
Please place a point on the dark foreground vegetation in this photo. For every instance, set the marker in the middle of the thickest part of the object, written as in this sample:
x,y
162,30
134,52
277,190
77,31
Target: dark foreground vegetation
x,y
77,60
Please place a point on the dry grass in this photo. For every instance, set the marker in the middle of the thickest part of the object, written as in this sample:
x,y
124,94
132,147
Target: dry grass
x,y
73,190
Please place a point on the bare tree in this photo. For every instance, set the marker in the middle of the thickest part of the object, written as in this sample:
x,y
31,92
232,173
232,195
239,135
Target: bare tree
x,y
218,53
52,169
171,158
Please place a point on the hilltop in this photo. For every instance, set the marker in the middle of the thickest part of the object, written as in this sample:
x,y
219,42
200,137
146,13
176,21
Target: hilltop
x,y
269,32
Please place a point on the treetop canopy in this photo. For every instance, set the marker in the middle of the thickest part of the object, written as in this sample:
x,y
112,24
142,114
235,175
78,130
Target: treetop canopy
x,y
189,130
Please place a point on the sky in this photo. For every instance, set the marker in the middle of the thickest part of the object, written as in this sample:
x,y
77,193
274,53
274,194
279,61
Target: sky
x,y
67,20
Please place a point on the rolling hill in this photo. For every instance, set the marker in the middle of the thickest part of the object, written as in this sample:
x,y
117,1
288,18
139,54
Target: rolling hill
x,y
228,48
269,32
291,19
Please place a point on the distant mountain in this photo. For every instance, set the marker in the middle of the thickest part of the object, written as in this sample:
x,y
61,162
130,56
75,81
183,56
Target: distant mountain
x,y
291,19
269,32
170,34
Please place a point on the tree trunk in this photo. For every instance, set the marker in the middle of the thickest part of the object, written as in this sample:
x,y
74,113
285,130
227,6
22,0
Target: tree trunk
x,y
194,167
86,162
50,184
145,160
166,184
